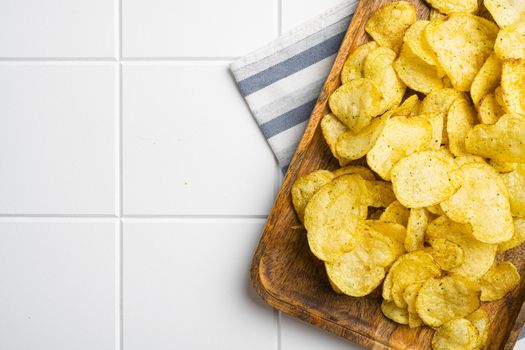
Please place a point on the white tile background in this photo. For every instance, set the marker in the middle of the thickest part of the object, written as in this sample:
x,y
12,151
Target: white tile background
x,y
134,183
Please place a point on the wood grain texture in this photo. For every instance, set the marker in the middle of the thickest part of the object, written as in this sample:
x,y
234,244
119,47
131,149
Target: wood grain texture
x,y
289,277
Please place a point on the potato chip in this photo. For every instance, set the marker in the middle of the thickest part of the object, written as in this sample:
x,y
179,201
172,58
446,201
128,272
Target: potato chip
x,y
396,213
469,159
436,210
425,178
510,43
478,257
458,334
462,42
332,128
517,238
414,320
400,137
390,229
355,103
387,25
506,12
380,194
482,201
498,94
306,186
452,6
410,296
503,167
396,314
409,107
416,41
365,173
513,89
437,120
480,320
435,14
353,146
503,141
416,227
353,67
487,79
515,183
498,281
489,110
439,100
416,73
378,68
447,254
333,215
460,120
443,299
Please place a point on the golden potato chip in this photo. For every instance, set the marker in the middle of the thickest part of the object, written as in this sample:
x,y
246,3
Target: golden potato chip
x,y
396,213
517,238
462,42
447,254
387,25
498,281
503,167
489,110
416,41
482,201
332,128
498,95
416,73
443,299
390,229
380,194
458,334
396,314
513,89
435,14
414,320
437,120
506,12
400,137
460,120
515,183
410,296
416,227
306,186
334,287
334,214
356,102
365,173
351,145
487,79
469,159
480,320
478,257
439,101
436,210
503,141
510,43
382,250
452,6
378,68
409,107
425,178
353,67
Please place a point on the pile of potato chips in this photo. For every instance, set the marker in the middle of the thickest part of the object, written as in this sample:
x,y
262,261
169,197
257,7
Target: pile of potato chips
x,y
429,128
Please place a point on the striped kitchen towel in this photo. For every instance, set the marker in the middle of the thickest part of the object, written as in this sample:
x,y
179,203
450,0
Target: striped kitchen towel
x,y
282,80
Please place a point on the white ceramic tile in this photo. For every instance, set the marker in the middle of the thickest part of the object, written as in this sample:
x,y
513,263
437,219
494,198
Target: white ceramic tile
x,y
186,286
58,285
196,27
298,335
191,147
57,139
296,12
57,28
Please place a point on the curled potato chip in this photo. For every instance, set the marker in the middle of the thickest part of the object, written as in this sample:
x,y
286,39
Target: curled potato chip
x,y
436,210
365,173
478,257
487,79
396,314
498,95
480,320
489,110
387,25
443,299
498,281
439,100
512,87
460,120
458,334
410,296
462,42
416,73
435,14
447,254
515,184
416,227
503,141
482,201
396,213
517,238
425,178
353,67
510,43
506,12
332,128
306,186
452,6
503,167
416,41
380,194
437,120
414,320
355,103
469,159
333,215
351,145
409,107
400,137
389,229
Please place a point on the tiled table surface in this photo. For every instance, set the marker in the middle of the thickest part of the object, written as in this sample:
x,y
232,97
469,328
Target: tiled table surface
x,y
134,183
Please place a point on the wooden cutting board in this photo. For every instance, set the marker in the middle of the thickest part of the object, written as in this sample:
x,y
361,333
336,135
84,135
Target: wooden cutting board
x,y
289,277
